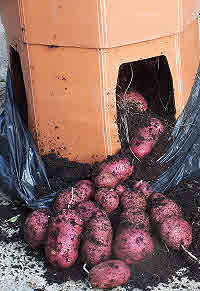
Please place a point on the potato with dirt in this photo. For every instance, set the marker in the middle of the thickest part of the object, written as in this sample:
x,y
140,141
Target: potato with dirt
x,y
109,274
82,191
107,198
146,138
144,187
35,227
120,189
97,240
89,209
133,98
176,232
133,245
137,218
107,180
63,240
133,199
163,208
121,168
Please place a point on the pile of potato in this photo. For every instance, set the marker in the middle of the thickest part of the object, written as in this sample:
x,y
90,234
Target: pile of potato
x,y
80,225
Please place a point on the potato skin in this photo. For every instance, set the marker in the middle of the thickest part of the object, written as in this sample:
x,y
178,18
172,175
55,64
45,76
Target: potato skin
x,y
120,189
165,208
94,253
62,244
136,218
87,209
97,240
175,232
144,187
35,227
133,199
107,180
136,99
146,138
121,168
133,245
82,191
108,198
109,274
99,230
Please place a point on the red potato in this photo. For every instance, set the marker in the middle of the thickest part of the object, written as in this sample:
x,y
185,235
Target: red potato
x,y
87,209
121,168
146,138
109,274
63,241
157,126
93,253
120,189
108,198
166,208
35,227
144,187
97,242
136,217
107,180
135,98
132,199
176,232
99,230
82,191
86,186
133,245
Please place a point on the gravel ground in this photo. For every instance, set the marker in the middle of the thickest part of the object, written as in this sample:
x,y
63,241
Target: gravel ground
x,y
24,270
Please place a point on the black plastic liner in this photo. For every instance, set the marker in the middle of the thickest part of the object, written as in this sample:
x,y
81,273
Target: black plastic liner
x,y
183,154
21,167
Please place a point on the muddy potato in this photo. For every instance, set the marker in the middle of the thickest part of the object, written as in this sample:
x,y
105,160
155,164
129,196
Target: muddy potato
x,y
146,138
167,207
63,240
120,189
135,99
135,217
144,187
35,227
107,180
86,210
133,245
109,274
93,253
176,232
132,199
121,168
82,191
97,240
99,230
108,199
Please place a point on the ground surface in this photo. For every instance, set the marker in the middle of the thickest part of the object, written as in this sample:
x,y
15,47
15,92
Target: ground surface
x,y
24,270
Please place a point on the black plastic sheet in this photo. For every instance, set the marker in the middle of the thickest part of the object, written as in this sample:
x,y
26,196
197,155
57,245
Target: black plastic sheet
x,y
183,154
21,168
